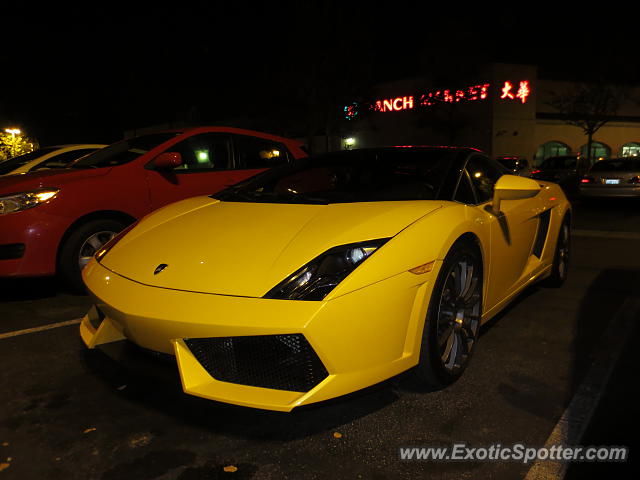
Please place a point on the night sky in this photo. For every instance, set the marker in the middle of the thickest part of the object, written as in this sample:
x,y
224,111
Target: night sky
x,y
88,74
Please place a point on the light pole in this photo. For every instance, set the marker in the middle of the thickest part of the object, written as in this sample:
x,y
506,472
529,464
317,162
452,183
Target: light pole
x,y
13,132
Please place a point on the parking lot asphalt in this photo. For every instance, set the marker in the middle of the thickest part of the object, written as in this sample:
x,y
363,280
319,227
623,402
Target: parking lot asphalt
x,y
607,214
69,413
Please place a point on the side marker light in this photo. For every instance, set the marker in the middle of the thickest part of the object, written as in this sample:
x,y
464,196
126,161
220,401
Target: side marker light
x,y
425,268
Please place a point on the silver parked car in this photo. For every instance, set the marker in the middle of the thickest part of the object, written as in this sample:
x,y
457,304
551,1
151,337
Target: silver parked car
x,y
617,177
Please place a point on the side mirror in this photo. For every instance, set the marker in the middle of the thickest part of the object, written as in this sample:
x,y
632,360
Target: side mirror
x,y
512,187
167,161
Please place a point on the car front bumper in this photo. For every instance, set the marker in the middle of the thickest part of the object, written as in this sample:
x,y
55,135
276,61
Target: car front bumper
x,y
29,242
347,343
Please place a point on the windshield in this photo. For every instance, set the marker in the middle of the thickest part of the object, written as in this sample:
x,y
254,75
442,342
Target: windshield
x,y
350,176
559,163
122,152
622,165
8,166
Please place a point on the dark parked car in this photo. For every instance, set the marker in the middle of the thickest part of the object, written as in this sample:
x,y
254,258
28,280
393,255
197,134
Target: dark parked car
x,y
565,170
517,165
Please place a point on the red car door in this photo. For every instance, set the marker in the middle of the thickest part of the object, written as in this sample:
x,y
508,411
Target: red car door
x,y
207,167
212,161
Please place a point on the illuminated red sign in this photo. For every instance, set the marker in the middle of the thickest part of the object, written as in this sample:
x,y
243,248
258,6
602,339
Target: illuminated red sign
x,y
473,93
508,91
394,104
523,92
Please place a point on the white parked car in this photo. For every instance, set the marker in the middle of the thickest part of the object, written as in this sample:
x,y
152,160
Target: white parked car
x,y
58,156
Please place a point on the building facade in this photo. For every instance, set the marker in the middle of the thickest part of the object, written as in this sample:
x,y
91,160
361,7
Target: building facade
x,y
505,111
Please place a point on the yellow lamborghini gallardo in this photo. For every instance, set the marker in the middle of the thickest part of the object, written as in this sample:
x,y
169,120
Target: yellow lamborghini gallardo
x,y
330,274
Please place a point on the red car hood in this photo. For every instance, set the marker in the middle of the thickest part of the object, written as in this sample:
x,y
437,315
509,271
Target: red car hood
x,y
47,179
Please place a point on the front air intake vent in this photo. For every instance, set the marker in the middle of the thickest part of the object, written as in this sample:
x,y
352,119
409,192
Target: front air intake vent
x,y
281,362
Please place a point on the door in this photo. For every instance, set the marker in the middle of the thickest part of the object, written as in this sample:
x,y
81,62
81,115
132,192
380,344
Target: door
x,y
512,230
210,163
206,161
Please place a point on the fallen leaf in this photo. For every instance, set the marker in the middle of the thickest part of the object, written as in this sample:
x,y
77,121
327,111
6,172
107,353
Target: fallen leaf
x,y
337,435
4,466
88,430
230,469
140,440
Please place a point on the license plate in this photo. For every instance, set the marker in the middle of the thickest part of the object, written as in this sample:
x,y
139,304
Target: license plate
x,y
611,181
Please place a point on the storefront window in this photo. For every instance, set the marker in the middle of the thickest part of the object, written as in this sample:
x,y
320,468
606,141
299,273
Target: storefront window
x,y
551,149
599,151
631,149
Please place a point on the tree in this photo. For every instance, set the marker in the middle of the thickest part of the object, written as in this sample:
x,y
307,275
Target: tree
x,y
588,106
14,144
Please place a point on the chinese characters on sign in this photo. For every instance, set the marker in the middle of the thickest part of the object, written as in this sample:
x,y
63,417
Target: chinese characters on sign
x,y
522,93
508,91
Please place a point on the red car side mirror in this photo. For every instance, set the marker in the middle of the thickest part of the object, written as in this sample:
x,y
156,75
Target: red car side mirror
x,y
167,160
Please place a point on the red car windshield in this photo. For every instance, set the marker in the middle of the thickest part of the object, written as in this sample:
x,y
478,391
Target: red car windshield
x,y
122,152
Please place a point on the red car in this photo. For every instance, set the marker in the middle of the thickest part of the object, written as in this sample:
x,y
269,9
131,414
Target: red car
x,y
54,221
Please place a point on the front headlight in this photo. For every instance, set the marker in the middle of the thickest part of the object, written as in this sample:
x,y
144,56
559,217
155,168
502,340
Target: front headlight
x,y
25,200
317,278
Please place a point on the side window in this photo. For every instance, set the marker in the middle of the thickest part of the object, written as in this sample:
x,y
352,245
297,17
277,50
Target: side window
x,y
464,193
208,151
253,152
483,174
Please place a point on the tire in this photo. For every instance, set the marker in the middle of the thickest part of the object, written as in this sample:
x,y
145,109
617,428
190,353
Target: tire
x,y
453,318
81,245
561,257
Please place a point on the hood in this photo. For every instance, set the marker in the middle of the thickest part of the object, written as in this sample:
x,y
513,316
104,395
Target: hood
x,y
47,178
245,249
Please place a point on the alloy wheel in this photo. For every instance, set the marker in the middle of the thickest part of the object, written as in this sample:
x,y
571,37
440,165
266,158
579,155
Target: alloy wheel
x,y
459,314
91,245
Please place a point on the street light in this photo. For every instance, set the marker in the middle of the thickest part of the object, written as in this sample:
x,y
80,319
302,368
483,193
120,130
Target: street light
x,y
13,132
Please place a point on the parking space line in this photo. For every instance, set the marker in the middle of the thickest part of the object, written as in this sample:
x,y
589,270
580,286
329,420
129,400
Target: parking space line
x,y
606,234
575,419
42,328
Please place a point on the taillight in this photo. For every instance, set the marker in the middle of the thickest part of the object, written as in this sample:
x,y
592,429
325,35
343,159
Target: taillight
x,y
587,180
533,172
635,179
111,243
